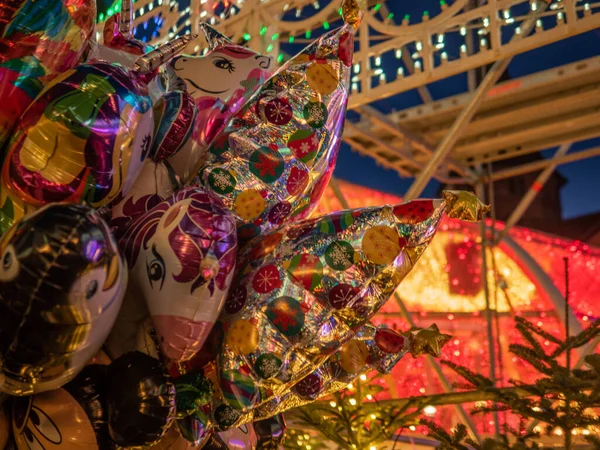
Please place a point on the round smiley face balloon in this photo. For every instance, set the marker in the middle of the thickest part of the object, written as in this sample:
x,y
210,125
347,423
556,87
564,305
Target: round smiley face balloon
x,y
52,420
181,256
62,281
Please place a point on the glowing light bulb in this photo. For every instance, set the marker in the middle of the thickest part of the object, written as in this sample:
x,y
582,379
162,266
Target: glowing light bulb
x,y
352,401
430,410
412,428
333,404
363,377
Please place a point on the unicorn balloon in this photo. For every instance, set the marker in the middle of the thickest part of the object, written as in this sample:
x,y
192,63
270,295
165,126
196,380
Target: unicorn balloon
x,y
220,83
181,256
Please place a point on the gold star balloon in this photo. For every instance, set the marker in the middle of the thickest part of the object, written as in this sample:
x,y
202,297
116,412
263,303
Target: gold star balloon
x,y
464,205
427,341
352,11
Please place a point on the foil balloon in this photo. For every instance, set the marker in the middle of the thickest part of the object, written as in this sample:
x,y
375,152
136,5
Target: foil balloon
x,y
303,290
120,46
12,209
88,388
39,39
86,135
373,348
173,440
270,433
83,139
220,83
273,162
52,420
181,256
140,400
62,281
5,424
154,184
175,115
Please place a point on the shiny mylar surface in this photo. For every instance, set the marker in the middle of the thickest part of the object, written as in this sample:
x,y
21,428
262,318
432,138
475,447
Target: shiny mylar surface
x,y
62,281
274,160
140,399
39,39
303,290
83,139
182,255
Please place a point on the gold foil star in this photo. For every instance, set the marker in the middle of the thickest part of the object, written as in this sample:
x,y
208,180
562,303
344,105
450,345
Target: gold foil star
x,y
427,341
464,205
352,11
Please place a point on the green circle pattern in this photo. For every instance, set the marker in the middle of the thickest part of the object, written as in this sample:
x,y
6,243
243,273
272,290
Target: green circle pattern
x,y
339,255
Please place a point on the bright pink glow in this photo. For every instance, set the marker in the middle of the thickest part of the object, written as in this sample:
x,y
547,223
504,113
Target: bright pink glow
x,y
469,346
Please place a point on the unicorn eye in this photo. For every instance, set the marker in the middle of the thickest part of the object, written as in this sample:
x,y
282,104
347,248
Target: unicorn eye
x,y
156,269
225,64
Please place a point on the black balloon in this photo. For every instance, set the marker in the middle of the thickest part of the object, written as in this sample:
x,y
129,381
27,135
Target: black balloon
x,y
270,433
214,442
140,399
88,388
62,281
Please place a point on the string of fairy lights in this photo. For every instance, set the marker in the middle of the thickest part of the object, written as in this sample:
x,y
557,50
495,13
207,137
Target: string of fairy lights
x,y
158,20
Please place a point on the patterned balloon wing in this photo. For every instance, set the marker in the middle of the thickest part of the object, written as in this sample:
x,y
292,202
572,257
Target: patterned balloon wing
x,y
372,348
272,163
303,291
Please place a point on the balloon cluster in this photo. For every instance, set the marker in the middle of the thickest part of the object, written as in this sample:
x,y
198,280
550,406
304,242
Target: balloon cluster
x,y
129,315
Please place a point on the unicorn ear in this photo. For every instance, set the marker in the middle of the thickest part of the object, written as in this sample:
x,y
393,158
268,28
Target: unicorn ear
x,y
214,38
126,18
153,60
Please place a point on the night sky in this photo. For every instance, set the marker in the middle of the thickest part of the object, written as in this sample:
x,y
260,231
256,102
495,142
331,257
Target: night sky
x,y
579,195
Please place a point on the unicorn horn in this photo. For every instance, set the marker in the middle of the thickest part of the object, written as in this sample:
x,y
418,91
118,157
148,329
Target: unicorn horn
x,y
126,18
153,60
214,37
